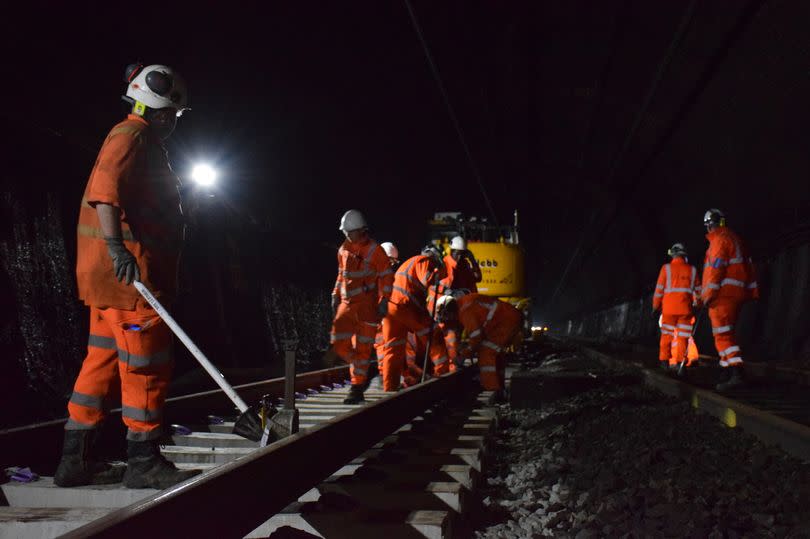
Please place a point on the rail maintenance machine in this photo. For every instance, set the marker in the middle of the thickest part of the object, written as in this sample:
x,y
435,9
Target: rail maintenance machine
x,y
497,250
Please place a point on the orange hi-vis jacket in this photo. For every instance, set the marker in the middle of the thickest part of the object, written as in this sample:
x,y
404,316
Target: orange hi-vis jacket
x,y
131,172
728,271
677,287
477,313
364,273
459,274
414,279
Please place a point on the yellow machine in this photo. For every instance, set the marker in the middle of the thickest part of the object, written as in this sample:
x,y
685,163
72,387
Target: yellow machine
x,y
497,250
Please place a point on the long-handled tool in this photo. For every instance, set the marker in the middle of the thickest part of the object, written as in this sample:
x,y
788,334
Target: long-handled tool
x,y
248,424
432,324
691,335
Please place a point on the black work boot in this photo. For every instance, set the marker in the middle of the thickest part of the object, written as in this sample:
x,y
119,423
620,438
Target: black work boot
x,y
147,468
78,468
355,395
663,365
734,381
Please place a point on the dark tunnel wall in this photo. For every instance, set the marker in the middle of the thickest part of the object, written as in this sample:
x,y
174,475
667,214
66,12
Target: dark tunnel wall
x,y
776,327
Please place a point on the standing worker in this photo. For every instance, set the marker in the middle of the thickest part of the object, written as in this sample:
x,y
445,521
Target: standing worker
x,y
359,299
676,292
491,325
392,253
729,280
407,312
130,228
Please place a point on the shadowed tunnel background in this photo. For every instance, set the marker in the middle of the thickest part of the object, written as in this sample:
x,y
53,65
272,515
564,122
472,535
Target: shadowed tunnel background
x,y
610,126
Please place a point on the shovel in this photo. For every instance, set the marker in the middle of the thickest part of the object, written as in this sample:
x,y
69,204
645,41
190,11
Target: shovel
x,y
248,425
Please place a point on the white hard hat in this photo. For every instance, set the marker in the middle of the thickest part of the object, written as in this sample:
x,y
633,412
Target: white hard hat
x,y
714,217
156,86
442,304
352,220
390,249
458,244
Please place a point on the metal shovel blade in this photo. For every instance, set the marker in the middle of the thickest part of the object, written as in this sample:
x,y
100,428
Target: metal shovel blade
x,y
249,425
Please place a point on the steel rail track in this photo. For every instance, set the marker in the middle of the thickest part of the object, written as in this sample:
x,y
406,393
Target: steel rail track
x,y
233,499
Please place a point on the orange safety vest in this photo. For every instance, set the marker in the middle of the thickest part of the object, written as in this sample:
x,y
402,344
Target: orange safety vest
x,y
477,312
728,271
413,279
459,274
677,287
131,172
364,273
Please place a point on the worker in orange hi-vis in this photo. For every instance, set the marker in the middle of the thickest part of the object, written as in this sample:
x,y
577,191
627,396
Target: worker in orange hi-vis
x,y
676,293
392,253
407,312
359,300
130,229
491,325
729,280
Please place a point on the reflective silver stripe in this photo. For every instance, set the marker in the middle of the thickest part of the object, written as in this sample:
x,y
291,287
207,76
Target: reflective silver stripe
x,y
475,333
108,343
734,360
657,295
137,436
441,360
360,290
394,344
667,332
407,294
72,424
722,329
491,345
684,326
698,288
723,363
752,285
389,271
738,259
388,288
341,336
685,290
668,326
365,340
371,324
730,350
659,286
91,401
713,286
669,277
732,282
492,309
694,278
140,414
486,368
358,274
135,360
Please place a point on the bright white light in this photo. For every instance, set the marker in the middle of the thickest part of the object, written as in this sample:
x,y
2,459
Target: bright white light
x,y
204,175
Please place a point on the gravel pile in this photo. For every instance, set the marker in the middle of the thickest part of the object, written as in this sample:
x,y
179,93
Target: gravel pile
x,y
629,462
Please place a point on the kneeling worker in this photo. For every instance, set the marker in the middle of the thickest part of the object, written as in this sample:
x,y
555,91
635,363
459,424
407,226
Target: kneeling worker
x,y
490,325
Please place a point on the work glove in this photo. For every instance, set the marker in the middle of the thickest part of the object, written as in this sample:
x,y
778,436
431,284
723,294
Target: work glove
x,y
335,304
125,266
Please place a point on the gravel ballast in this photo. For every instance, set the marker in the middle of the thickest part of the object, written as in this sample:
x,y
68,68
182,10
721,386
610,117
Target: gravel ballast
x,y
630,462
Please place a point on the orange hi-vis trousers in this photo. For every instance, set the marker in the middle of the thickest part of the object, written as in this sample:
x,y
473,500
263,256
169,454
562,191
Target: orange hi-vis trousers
x,y
352,337
135,348
676,329
401,319
499,333
723,312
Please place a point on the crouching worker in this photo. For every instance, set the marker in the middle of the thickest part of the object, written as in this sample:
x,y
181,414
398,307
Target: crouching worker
x,y
490,325
130,229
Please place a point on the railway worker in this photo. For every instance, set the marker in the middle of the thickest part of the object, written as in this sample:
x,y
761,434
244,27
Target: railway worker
x,y
392,253
491,325
359,299
407,312
130,228
676,293
729,280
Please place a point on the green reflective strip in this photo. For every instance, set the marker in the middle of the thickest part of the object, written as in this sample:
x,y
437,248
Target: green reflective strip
x,y
91,401
137,436
93,232
140,414
135,360
108,343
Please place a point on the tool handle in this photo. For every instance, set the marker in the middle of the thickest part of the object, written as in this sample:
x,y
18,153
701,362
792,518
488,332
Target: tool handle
x,y
196,352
